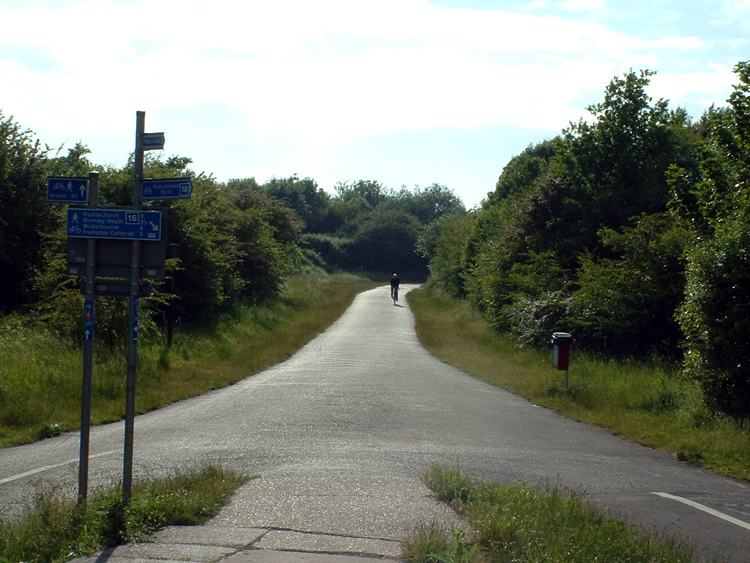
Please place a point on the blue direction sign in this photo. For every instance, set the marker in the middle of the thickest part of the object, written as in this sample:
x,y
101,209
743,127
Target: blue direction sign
x,y
114,224
65,190
175,188
152,141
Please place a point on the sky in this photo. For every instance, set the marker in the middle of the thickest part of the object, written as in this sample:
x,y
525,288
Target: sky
x,y
407,93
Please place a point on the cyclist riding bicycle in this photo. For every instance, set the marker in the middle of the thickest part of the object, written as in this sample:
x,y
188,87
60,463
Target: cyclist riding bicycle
x,y
394,288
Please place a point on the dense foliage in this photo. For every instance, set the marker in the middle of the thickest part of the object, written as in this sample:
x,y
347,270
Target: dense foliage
x,y
629,230
26,217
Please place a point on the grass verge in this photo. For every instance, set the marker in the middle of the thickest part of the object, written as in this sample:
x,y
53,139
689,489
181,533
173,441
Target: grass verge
x,y
647,403
55,528
40,376
519,523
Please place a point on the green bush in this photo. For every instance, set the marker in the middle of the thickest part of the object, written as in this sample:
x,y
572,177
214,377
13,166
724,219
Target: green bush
x,y
334,251
448,258
625,303
716,317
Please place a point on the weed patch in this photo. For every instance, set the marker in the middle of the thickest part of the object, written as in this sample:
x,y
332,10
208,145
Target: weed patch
x,y
54,528
517,522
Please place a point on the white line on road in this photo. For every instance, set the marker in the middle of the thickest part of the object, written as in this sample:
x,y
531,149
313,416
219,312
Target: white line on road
x,y
706,509
48,467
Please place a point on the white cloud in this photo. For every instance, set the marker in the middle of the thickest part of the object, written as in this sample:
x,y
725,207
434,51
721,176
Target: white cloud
x,y
323,71
582,5
715,86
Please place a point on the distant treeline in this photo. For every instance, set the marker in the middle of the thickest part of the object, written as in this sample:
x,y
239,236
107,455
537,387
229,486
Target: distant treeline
x,y
630,230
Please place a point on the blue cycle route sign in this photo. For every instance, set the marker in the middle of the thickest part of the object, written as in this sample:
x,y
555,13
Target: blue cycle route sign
x,y
114,224
174,188
68,190
152,141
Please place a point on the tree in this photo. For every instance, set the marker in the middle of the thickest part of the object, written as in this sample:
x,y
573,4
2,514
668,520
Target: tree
x,y
716,317
428,204
386,241
523,170
310,203
627,304
537,237
369,191
448,253
26,218
266,232
617,164
714,201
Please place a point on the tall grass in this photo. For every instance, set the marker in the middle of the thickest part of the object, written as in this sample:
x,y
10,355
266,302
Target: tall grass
x,y
650,403
55,528
40,375
520,523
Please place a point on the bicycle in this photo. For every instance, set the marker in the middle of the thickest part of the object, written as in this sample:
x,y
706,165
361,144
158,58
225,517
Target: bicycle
x,y
394,294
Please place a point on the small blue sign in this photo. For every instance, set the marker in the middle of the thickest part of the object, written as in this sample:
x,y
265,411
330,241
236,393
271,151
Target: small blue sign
x,y
135,304
152,141
68,190
114,224
88,321
174,188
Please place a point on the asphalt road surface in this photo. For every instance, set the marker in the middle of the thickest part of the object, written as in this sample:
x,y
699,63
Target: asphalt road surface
x,y
340,433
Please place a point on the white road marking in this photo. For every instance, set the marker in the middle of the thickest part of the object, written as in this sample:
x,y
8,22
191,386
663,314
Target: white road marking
x,y
48,467
706,509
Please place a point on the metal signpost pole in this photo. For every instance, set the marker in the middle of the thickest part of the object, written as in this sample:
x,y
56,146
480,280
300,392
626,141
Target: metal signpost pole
x,y
135,275
88,348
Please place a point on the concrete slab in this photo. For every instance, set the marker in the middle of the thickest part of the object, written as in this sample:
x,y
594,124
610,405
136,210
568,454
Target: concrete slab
x,y
265,556
369,506
324,543
105,558
238,538
133,553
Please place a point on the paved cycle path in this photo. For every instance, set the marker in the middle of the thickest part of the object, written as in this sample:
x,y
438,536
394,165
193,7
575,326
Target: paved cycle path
x,y
339,434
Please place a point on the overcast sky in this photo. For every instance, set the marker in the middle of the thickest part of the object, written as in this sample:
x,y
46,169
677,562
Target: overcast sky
x,y
404,92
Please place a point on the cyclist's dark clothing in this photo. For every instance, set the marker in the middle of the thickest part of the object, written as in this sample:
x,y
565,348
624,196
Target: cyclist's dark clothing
x,y
395,281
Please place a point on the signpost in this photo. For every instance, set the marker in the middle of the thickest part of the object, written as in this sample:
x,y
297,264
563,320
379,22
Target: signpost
x,y
174,188
104,223
125,243
88,350
67,190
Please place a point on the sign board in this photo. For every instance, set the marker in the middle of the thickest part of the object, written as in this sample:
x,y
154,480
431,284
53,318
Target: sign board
x,y
103,223
113,256
67,190
174,188
152,141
